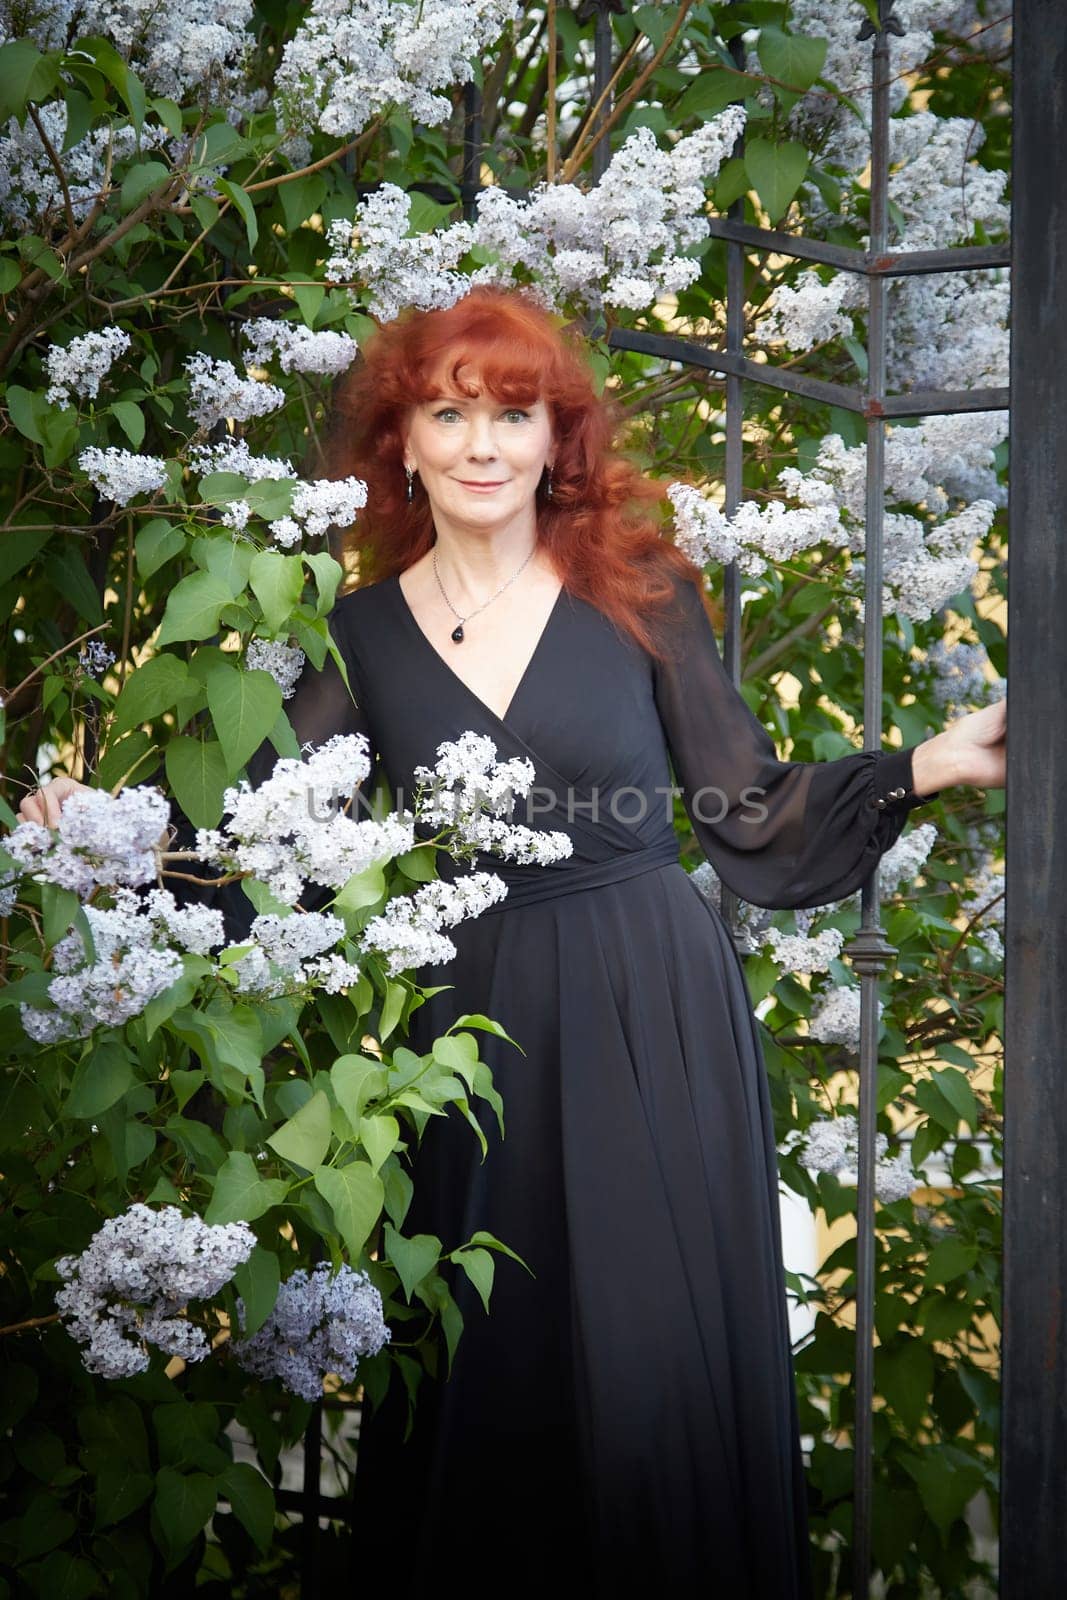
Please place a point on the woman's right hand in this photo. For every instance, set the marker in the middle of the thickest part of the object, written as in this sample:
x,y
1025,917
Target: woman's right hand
x,y
43,805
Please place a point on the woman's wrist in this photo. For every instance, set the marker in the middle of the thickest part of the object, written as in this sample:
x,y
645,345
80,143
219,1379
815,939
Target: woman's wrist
x,y
934,765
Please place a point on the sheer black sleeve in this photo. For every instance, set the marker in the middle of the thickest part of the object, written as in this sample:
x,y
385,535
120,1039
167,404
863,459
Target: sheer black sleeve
x,y
778,833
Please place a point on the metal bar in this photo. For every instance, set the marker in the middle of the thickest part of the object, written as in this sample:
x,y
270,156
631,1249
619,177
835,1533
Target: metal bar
x,y
942,402
310,1552
727,361
602,42
922,403
869,948
470,188
735,462
875,263
1033,1464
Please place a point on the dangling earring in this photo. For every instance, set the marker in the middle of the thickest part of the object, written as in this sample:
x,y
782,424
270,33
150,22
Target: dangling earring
x,y
548,484
411,475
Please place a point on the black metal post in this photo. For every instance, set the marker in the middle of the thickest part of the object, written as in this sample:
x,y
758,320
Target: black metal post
x,y
1033,1466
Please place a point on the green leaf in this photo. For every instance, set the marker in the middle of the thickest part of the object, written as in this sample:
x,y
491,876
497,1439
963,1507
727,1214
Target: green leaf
x,y
252,1500
193,608
305,1138
67,1577
101,1079
256,1281
230,1038
226,558
949,1259
711,91
197,772
24,408
184,1502
301,198
776,172
277,582
120,1489
328,574
905,1377
150,690
139,182
241,1195
25,74
794,59
413,1258
10,275
378,1136
356,1079
244,205
118,74
131,420
59,907
361,889
155,543
479,1267
355,1195
956,1088
243,706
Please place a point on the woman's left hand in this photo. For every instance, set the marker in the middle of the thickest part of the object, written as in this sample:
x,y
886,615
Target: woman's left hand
x,y
970,750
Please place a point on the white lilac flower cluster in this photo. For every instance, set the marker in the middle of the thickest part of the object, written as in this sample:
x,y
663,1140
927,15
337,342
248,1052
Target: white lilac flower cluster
x,y
796,952
101,840
31,194
927,558
619,243
752,921
985,903
835,1019
806,313
134,961
832,1145
120,475
755,534
82,365
349,59
277,831
129,1288
289,953
216,391
95,657
175,49
318,506
284,662
408,932
467,789
298,349
839,122
234,455
960,679
321,1324
906,857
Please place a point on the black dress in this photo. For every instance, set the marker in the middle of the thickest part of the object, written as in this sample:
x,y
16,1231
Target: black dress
x,y
624,1421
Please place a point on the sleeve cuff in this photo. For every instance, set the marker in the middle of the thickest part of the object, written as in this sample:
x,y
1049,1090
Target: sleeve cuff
x,y
893,789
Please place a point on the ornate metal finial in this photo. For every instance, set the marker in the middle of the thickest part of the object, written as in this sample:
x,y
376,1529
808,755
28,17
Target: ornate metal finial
x,y
887,24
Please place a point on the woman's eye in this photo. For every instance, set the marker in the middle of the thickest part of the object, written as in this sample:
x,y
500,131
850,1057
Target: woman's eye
x,y
516,412
446,413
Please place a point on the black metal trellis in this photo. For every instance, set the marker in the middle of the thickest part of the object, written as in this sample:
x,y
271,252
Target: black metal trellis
x,y
1034,1466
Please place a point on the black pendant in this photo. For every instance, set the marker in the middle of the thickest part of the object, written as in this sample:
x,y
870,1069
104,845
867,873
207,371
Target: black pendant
x,y
457,634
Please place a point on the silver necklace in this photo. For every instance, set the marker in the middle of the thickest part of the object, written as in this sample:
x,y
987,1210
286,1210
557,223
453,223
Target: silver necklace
x,y
457,633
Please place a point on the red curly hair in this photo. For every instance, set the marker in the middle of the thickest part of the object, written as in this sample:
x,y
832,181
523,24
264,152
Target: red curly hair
x,y
596,527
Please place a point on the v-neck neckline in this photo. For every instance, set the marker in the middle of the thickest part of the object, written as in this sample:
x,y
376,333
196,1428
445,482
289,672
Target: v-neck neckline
x,y
535,652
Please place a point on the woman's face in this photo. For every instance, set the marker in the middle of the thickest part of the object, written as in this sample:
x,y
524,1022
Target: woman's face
x,y
479,460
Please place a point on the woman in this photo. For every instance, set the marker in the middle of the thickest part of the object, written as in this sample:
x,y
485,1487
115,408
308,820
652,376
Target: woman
x,y
625,1416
